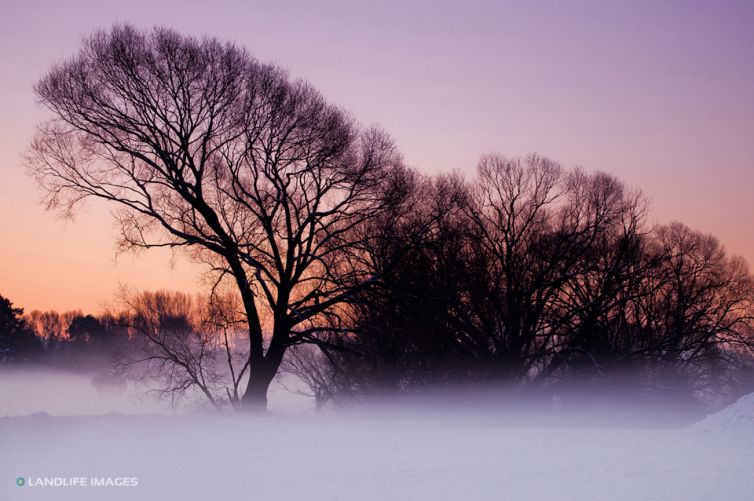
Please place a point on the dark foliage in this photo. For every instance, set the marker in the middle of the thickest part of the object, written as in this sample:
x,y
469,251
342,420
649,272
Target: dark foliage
x,y
18,342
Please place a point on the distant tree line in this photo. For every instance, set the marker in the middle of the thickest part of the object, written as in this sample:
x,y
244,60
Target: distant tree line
x,y
44,336
172,341
350,269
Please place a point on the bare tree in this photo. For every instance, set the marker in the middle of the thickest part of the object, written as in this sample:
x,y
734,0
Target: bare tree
x,y
409,331
537,274
590,322
50,326
309,364
203,148
701,311
534,224
183,343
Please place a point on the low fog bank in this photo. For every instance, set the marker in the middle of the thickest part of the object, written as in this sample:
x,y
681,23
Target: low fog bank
x,y
571,406
67,392
29,389
25,391
449,444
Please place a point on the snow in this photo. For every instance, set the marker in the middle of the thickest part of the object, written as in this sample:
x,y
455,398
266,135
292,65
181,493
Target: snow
x,y
193,458
734,424
417,455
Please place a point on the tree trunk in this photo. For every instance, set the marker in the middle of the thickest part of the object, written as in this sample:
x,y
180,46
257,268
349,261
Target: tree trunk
x,y
255,398
263,367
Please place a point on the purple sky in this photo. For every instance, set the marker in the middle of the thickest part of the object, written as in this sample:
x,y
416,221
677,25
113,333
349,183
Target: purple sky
x,y
659,93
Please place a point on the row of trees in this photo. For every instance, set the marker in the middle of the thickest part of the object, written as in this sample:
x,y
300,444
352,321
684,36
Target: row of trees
x,y
533,274
38,335
324,238
529,274
173,342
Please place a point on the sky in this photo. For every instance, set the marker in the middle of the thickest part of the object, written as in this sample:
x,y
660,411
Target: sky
x,y
660,94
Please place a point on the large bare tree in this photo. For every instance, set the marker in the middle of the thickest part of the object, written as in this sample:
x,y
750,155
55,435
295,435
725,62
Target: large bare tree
x,y
203,148
535,226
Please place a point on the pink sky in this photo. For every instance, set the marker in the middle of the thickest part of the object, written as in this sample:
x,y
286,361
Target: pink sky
x,y
659,93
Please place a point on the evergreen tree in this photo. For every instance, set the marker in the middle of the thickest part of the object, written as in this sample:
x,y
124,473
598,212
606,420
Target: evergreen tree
x,y
17,338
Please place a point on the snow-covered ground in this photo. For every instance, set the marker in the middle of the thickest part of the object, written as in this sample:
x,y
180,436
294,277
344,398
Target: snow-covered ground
x,y
733,425
380,456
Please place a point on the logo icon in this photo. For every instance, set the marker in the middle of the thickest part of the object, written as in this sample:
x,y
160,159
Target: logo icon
x,y
20,481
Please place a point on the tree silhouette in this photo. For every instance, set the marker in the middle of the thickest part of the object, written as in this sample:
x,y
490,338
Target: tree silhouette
x,y
203,148
17,340
50,326
532,273
85,329
184,343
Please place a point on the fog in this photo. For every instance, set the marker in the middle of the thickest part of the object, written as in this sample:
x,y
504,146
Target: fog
x,y
63,393
26,391
63,426
55,392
